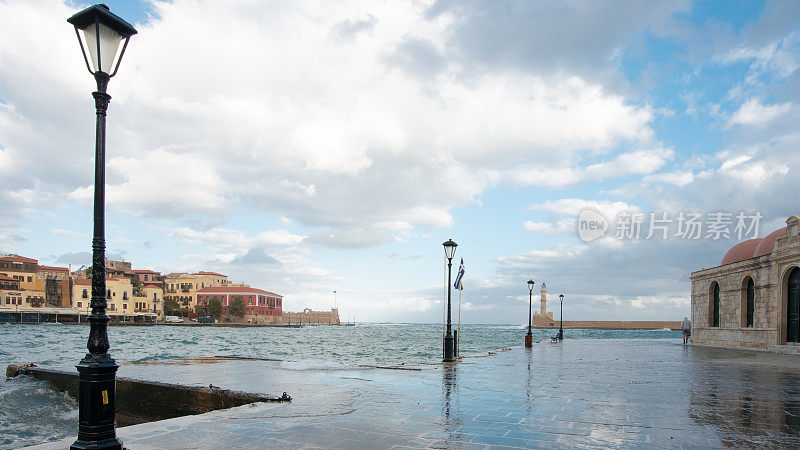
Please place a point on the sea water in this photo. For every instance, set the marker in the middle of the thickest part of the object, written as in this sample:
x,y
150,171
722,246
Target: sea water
x,y
31,412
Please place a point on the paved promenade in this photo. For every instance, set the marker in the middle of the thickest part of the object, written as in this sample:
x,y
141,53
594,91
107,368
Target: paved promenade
x,y
578,393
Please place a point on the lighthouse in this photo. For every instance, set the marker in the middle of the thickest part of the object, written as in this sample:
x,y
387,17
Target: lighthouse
x,y
544,300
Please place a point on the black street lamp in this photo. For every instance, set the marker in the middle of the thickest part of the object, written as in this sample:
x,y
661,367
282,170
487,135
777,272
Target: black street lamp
x,y
449,251
102,34
529,336
561,319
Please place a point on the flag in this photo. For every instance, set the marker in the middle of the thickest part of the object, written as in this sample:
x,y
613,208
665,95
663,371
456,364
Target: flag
x,y
458,284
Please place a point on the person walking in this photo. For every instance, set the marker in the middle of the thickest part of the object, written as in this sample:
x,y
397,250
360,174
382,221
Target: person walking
x,y
686,327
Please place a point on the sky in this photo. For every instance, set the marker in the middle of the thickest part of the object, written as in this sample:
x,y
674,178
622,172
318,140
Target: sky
x,y
304,148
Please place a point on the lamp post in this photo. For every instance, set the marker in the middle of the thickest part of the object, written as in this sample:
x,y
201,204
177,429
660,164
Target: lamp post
x,y
102,34
561,319
449,251
529,336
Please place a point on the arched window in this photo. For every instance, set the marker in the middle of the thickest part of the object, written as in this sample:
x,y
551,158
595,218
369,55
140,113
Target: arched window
x,y
125,295
715,305
109,294
751,302
85,294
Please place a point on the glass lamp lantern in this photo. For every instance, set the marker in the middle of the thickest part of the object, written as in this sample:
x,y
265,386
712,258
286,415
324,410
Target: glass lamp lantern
x,y
449,248
103,32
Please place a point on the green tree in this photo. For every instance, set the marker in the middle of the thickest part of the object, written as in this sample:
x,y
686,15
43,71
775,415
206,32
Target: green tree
x,y
236,308
137,285
171,306
88,272
215,308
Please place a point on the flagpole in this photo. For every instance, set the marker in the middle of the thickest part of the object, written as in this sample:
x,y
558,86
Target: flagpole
x,y
444,301
458,342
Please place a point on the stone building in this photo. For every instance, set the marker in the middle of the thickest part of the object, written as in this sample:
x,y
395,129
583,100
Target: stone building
x,y
752,299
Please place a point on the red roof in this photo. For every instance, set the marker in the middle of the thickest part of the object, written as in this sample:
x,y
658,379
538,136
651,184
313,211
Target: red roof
x,y
4,277
752,248
144,271
53,269
17,258
219,289
210,273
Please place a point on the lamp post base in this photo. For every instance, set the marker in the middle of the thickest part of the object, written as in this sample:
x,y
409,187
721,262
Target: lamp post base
x,y
528,340
96,395
448,349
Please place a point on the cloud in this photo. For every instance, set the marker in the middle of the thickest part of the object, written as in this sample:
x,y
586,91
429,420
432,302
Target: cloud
x,y
255,256
355,238
75,258
752,112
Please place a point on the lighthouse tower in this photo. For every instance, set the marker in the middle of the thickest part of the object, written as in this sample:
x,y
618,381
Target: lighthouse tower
x,y
544,300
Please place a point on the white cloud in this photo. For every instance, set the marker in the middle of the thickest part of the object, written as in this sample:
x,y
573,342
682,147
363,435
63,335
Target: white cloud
x,y
753,112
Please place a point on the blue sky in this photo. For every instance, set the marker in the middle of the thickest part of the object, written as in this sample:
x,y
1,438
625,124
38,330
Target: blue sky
x,y
302,149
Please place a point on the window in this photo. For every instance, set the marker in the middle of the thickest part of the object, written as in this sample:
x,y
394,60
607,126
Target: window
x,y
80,304
30,279
715,306
751,302
85,293
125,295
154,296
124,306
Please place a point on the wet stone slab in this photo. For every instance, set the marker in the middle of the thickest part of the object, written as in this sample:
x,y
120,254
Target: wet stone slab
x,y
578,393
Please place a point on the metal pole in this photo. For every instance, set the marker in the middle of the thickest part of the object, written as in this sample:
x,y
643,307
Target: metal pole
x,y
97,370
448,337
561,320
530,309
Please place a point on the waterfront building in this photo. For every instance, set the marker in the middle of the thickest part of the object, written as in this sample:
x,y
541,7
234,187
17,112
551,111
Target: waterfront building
x,y
122,304
147,276
543,317
117,268
56,284
183,287
259,306
752,299
50,283
20,268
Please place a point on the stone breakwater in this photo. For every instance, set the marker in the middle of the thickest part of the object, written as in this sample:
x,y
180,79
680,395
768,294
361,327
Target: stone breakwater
x,y
617,325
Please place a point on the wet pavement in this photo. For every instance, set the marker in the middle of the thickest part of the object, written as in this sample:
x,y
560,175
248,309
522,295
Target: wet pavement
x,y
578,393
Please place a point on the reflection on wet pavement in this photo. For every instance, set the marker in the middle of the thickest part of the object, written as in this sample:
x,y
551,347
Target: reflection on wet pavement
x,y
629,393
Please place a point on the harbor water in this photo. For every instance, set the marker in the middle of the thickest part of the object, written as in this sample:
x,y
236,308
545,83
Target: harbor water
x,y
31,412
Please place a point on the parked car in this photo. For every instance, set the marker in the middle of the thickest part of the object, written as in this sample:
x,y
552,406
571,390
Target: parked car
x,y
173,319
205,319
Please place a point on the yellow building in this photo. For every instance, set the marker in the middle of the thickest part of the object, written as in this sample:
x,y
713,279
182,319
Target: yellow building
x,y
121,303
151,300
183,287
20,268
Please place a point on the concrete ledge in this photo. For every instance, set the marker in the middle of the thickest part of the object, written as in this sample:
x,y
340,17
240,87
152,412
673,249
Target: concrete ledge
x,y
148,401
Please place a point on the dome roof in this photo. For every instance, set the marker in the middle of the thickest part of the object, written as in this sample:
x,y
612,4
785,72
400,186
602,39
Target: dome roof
x,y
768,243
752,248
741,251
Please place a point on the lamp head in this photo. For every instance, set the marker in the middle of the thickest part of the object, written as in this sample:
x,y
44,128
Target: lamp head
x,y
530,285
561,296
102,33
449,248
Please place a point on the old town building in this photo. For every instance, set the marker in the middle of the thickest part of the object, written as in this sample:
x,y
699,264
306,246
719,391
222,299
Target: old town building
x,y
259,305
183,287
752,299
